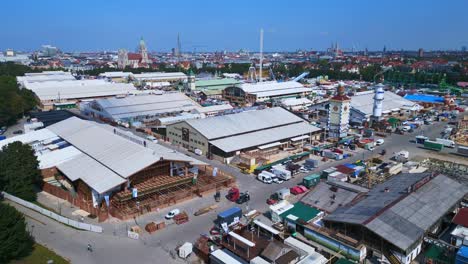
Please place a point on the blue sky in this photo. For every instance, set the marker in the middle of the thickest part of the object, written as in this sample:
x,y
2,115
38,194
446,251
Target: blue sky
x,y
217,25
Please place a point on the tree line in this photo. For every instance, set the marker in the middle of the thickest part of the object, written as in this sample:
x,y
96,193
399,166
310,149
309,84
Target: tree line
x,y
19,176
14,102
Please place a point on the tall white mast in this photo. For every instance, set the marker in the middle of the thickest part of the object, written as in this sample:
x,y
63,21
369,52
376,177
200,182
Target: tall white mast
x,y
261,55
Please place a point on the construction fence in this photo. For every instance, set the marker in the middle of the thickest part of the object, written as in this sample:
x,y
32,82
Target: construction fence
x,y
59,218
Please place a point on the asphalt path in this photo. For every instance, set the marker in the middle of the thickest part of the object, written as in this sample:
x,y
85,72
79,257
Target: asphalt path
x,y
113,246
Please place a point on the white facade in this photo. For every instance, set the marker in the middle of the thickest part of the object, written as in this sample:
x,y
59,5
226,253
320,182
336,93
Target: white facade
x,y
378,101
338,118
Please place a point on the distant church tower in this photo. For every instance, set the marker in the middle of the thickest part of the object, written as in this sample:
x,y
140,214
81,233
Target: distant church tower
x,y
338,114
122,60
143,51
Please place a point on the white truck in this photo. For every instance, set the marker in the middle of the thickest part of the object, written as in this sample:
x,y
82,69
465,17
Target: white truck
x,y
266,177
446,142
281,172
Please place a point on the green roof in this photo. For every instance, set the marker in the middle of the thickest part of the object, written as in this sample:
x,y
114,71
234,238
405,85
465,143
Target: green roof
x,y
215,82
344,261
436,253
302,211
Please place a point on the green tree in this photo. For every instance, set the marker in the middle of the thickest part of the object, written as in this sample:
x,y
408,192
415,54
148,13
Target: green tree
x,y
19,173
13,101
15,240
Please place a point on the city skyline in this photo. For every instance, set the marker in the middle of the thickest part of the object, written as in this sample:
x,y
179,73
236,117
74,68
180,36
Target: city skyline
x,y
210,26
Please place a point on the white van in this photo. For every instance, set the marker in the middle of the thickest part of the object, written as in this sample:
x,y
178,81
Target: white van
x,y
266,177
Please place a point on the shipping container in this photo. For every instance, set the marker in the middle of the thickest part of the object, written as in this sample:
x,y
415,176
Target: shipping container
x,y
337,176
428,144
311,163
230,216
311,180
328,171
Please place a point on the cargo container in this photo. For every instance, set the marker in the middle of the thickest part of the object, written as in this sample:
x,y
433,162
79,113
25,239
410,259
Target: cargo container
x,y
230,216
311,163
337,176
446,142
328,171
311,180
428,144
332,155
283,193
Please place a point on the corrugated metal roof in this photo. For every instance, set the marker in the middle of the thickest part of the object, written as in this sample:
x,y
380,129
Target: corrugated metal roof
x,y
283,92
270,86
408,220
98,177
206,84
45,77
56,157
227,125
120,155
54,90
364,102
403,222
139,105
215,108
37,135
262,137
159,75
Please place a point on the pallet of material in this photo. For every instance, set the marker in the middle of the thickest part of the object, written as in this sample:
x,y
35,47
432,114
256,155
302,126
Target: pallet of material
x,y
153,227
181,218
205,210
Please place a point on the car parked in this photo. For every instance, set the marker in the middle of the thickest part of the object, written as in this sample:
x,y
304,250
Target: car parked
x,y
296,190
152,139
243,198
172,213
277,180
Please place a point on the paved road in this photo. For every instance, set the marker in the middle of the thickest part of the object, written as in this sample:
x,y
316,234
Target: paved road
x,y
113,247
